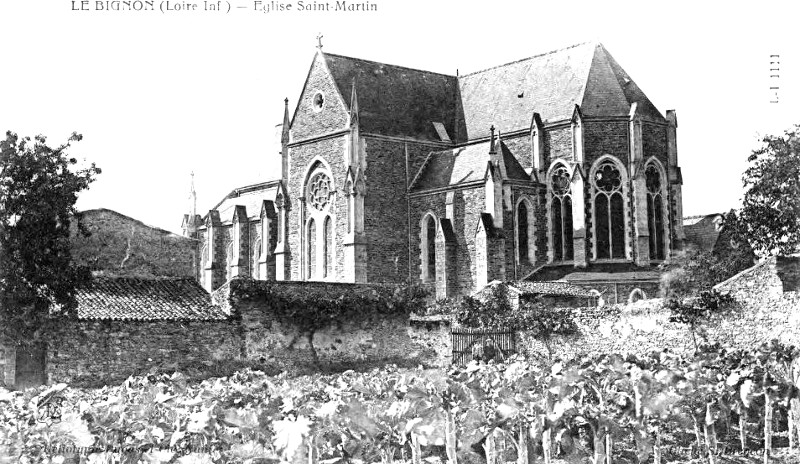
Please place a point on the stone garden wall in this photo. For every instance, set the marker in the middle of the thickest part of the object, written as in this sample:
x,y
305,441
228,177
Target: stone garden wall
x,y
98,352
768,307
109,351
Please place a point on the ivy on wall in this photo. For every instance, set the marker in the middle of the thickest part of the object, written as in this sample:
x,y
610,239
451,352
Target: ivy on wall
x,y
312,306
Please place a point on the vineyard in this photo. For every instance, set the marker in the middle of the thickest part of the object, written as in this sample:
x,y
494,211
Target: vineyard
x,y
603,409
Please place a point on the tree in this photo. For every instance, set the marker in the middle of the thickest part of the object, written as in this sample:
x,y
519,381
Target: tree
x,y
39,186
693,270
770,211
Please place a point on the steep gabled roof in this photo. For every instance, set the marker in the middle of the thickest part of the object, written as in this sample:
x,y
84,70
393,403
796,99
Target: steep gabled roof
x,y
137,299
550,84
507,95
447,168
396,101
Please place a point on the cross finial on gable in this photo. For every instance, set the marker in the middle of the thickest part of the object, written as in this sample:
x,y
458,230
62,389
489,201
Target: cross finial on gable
x,y
319,40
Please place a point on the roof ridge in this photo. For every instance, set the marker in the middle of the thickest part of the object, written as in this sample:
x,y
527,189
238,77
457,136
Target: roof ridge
x,y
388,64
142,278
528,58
238,192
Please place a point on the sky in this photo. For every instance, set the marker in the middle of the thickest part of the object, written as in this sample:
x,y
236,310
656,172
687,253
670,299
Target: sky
x,y
158,95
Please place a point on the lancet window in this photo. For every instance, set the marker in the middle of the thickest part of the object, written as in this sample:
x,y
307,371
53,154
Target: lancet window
x,y
561,214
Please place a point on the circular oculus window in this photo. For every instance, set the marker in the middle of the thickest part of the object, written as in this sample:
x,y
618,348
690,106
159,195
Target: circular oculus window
x,y
318,101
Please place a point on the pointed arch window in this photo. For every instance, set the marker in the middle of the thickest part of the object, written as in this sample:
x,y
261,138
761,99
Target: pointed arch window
x,y
525,250
561,215
311,259
319,216
609,212
327,245
279,203
428,247
655,211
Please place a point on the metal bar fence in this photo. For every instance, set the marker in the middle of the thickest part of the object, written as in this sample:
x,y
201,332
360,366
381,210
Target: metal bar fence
x,y
484,344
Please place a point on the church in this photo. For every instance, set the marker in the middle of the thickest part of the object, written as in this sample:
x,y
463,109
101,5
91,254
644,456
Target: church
x,y
553,167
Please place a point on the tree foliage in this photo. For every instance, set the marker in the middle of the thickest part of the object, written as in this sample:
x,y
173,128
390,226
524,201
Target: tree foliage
x,y
770,211
693,270
39,186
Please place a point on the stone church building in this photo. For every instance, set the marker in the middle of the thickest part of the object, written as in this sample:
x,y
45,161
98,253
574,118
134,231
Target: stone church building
x,y
553,167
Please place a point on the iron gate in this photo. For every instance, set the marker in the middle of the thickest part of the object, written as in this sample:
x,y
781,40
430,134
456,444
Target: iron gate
x,y
485,344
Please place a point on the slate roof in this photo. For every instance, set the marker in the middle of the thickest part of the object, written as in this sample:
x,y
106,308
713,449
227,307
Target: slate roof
x,y
394,100
550,84
251,197
462,165
550,288
702,231
139,299
398,101
523,287
646,276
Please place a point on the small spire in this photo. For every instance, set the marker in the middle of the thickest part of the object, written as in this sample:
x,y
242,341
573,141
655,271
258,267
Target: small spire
x,y
492,148
319,41
354,105
285,126
193,199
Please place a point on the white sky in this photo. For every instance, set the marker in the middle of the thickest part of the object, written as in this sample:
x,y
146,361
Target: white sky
x,y
158,96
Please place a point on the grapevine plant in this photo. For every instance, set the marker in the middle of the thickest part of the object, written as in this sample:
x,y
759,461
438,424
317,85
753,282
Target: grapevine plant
x,y
601,409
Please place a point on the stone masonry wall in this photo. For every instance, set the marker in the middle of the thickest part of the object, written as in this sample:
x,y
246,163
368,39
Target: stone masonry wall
x,y
308,121
468,204
605,138
765,311
274,342
96,352
332,151
768,308
386,211
557,144
654,142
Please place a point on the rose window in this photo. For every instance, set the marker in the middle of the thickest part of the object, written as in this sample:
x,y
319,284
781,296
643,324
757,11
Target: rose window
x,y
319,189
608,178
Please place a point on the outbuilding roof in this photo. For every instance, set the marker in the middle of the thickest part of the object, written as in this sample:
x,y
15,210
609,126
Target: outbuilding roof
x,y
550,288
140,299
